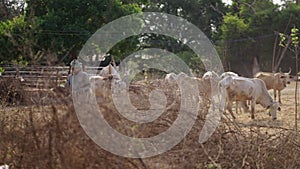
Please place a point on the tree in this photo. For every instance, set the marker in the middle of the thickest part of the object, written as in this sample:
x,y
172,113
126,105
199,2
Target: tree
x,y
235,34
295,43
286,41
11,8
205,14
12,41
256,43
63,26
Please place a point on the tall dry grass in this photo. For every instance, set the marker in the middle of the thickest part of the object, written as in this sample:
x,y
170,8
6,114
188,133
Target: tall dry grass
x,y
48,135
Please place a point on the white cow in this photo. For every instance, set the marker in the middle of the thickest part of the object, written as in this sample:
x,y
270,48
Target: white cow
x,y
211,75
243,89
214,79
110,72
171,78
240,104
4,166
107,78
225,74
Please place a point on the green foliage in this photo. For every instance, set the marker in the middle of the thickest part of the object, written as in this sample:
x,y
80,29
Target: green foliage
x,y
205,14
193,61
282,40
53,28
248,32
11,9
295,36
61,26
20,62
233,27
1,70
12,39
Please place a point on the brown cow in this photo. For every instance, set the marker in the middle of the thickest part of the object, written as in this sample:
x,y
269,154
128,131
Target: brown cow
x,y
275,81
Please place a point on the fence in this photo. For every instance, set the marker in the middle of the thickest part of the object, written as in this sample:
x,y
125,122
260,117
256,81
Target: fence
x,y
40,76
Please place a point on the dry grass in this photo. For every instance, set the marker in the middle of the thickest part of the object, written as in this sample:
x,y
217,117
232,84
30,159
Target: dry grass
x,y
48,135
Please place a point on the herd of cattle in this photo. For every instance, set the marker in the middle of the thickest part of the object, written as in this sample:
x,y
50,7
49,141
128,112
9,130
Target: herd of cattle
x,y
242,89
236,88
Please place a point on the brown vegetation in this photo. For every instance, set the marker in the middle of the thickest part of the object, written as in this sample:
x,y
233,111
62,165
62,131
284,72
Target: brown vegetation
x,y
49,135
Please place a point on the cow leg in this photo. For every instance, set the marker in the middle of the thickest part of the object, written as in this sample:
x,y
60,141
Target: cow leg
x,y
229,108
244,106
252,108
274,94
279,96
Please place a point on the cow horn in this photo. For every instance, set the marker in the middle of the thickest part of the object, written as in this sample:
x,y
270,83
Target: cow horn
x,y
280,70
290,70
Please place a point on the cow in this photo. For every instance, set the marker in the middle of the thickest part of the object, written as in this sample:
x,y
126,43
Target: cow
x,y
107,79
171,78
214,79
225,74
276,81
204,85
239,104
211,75
110,72
4,166
253,89
287,75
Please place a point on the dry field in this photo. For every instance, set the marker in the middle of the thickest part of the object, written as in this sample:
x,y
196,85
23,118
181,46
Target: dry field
x,y
44,132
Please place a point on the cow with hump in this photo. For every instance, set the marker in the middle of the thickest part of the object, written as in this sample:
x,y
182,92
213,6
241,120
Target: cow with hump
x,y
276,81
253,89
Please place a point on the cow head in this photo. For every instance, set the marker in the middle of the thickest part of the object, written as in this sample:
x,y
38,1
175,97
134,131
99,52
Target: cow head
x,y
211,75
272,110
288,78
280,81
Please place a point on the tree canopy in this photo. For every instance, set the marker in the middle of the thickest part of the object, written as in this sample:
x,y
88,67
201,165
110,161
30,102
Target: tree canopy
x,y
39,31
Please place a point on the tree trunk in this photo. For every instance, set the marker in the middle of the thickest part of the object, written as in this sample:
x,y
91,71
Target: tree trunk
x,y
255,67
296,91
282,54
274,54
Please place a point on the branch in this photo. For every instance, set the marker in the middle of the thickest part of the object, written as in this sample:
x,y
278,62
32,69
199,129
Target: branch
x,y
284,50
217,10
250,6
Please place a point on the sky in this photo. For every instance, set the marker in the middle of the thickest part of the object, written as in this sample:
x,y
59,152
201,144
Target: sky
x,y
279,2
